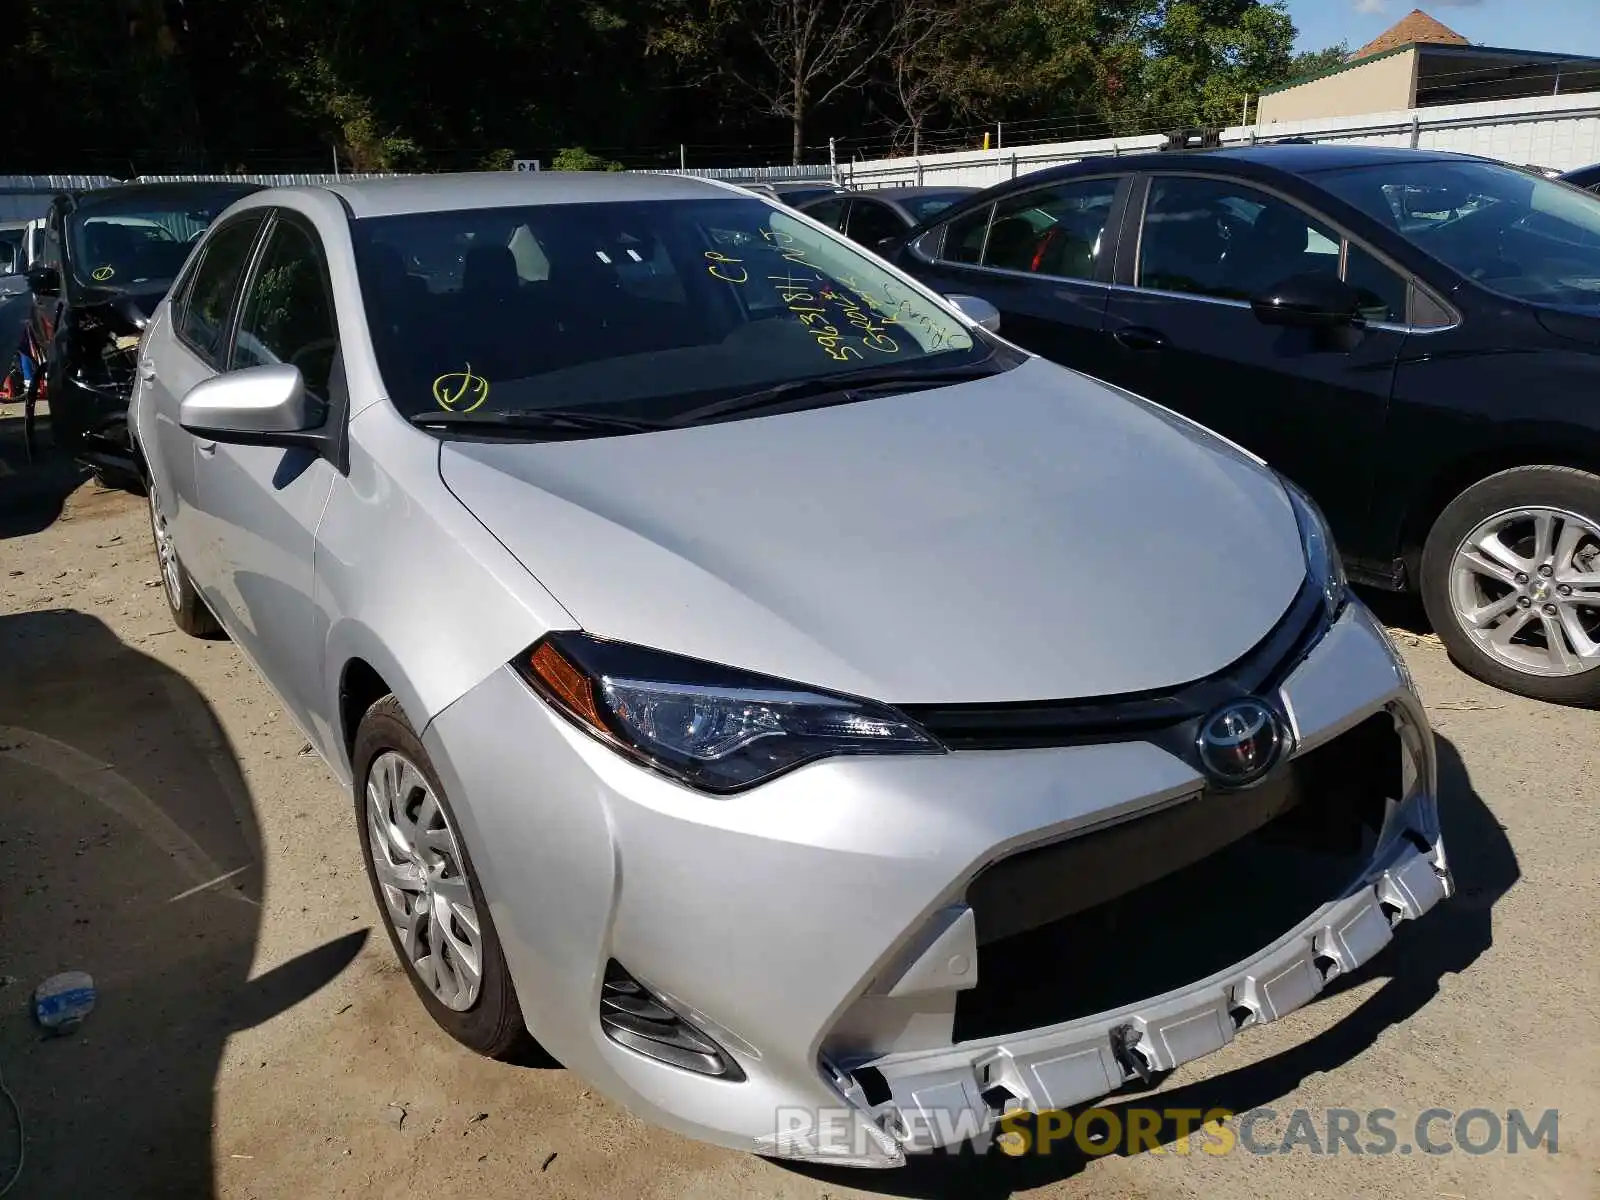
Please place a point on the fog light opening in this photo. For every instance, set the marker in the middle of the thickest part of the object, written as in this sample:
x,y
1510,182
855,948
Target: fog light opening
x,y
636,1018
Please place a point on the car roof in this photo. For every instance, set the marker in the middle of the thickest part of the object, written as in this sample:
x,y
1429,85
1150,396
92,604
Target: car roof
x,y
512,189
1291,159
166,192
912,193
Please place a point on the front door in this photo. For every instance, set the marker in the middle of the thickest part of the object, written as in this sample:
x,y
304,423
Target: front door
x,y
1312,403
263,503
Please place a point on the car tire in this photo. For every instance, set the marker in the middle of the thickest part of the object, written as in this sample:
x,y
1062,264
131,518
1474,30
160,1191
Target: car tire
x,y
489,1020
189,610
1465,589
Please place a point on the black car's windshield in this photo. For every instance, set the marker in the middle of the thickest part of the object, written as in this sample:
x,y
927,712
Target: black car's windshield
x,y
1513,232
648,309
135,241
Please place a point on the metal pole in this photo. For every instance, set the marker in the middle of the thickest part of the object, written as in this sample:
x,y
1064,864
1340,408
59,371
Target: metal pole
x,y
833,160
1557,92
335,149
683,157
1244,113
999,135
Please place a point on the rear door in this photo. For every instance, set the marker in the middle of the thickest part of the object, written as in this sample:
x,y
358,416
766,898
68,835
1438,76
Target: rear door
x,y
1181,331
263,503
186,349
1044,258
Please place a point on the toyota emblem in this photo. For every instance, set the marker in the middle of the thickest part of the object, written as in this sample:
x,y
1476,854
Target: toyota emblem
x,y
1240,742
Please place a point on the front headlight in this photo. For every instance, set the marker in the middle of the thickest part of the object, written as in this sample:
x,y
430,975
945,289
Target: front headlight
x,y
1323,564
714,728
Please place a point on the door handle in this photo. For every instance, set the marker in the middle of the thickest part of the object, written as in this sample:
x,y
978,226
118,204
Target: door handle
x,y
1138,337
207,448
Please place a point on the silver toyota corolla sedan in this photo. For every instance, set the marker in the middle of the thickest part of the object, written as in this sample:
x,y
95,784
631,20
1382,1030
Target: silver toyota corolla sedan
x,y
822,726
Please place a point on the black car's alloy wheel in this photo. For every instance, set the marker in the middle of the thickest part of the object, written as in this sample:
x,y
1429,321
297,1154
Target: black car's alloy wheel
x,y
1511,582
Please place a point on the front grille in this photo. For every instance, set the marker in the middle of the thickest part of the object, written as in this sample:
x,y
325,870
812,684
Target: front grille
x,y
1137,909
1130,716
634,1017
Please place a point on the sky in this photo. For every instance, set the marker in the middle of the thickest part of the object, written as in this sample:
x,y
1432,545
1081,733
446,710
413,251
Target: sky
x,y
1570,26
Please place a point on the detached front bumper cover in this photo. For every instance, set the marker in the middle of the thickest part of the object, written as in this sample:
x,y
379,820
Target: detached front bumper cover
x,y
944,1097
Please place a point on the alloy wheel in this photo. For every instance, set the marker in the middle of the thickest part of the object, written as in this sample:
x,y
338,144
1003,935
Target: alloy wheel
x,y
422,877
166,553
1525,584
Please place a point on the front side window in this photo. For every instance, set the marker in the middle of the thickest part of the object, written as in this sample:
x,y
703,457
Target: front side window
x,y
202,320
1057,230
287,315
140,239
644,309
1214,237
1514,233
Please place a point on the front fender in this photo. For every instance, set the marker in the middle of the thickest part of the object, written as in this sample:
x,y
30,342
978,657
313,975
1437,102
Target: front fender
x,y
411,583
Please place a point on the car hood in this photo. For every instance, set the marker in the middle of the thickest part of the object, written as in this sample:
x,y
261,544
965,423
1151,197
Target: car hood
x,y
1034,535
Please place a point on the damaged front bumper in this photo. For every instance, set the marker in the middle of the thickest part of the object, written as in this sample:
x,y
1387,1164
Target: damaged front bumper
x,y
877,944
940,1098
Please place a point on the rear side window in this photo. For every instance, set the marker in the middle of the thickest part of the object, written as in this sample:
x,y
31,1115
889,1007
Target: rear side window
x,y
202,321
1053,231
871,223
963,237
827,211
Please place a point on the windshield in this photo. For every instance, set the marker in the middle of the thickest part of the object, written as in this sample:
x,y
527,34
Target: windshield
x,y
1512,232
134,241
640,309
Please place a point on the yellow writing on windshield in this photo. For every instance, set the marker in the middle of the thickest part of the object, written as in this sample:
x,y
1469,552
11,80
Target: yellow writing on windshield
x,y
101,274
460,391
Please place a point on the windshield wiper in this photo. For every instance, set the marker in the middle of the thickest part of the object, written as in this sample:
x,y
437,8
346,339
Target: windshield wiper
x,y
539,420
847,384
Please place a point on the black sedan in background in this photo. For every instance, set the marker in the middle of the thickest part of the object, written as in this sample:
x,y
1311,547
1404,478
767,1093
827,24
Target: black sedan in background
x,y
1413,337
109,257
879,218
1587,178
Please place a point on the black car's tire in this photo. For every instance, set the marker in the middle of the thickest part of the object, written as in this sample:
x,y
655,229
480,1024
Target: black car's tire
x,y
1503,496
189,610
492,1023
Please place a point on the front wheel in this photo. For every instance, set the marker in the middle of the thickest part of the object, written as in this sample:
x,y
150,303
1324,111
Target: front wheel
x,y
422,877
1511,582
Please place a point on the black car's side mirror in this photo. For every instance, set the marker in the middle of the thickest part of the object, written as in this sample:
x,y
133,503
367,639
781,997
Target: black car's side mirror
x,y
1309,302
44,281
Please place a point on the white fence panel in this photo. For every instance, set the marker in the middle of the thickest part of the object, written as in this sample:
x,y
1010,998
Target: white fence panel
x,y
1550,131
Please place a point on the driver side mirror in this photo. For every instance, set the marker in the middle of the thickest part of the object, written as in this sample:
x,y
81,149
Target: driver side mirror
x,y
257,406
1316,301
44,281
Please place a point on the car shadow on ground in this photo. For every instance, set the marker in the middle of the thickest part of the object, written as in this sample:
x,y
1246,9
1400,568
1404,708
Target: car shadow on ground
x,y
32,494
129,848
1446,941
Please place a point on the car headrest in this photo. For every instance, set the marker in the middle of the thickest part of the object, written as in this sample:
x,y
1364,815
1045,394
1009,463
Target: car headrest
x,y
489,269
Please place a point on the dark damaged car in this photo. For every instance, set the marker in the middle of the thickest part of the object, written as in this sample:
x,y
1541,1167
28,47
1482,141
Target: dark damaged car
x,y
109,257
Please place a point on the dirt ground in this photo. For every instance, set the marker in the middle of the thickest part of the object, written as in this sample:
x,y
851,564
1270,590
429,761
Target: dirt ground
x,y
254,1038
